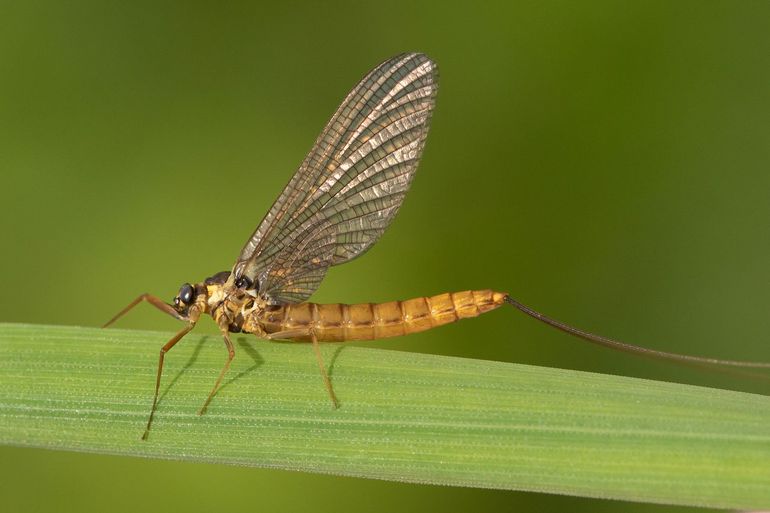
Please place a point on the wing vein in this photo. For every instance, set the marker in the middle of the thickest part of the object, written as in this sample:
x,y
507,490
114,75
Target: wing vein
x,y
350,185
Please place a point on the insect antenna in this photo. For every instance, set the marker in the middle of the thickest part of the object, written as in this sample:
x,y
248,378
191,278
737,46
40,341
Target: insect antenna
x,y
699,361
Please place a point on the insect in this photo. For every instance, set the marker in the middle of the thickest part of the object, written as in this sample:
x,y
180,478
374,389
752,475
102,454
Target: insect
x,y
335,207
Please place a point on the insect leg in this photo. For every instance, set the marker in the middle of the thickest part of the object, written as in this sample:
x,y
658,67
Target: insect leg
x,y
297,333
230,355
322,368
154,301
163,350
288,334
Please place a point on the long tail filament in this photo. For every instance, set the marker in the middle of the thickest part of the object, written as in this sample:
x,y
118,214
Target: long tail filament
x,y
630,348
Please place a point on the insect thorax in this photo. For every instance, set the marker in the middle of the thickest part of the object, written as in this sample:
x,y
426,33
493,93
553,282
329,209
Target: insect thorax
x,y
233,308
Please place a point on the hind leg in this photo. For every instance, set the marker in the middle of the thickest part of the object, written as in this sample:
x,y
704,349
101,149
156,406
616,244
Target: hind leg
x,y
293,334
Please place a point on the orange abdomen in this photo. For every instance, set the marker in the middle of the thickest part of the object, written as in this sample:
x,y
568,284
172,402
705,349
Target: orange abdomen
x,y
367,321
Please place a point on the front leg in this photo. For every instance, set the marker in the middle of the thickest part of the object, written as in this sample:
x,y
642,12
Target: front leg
x,y
154,301
292,334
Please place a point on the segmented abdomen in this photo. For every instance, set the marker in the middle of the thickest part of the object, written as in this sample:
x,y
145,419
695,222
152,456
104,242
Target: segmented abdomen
x,y
367,321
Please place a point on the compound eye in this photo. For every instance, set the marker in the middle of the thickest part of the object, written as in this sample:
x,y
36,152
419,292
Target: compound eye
x,y
243,283
187,294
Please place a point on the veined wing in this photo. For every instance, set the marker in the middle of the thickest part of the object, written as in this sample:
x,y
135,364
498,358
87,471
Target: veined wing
x,y
350,185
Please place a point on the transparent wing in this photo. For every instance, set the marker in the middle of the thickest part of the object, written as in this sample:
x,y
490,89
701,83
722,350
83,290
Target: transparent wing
x,y
351,184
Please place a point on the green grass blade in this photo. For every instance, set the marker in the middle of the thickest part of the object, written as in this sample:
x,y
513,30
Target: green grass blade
x,y
405,417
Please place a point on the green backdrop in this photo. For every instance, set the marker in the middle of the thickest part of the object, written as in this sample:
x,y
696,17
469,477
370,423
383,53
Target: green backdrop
x,y
605,163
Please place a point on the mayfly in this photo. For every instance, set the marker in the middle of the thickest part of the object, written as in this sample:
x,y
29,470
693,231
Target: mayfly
x,y
335,207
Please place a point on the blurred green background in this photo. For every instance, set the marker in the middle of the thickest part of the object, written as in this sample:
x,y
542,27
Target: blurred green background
x,y
606,163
